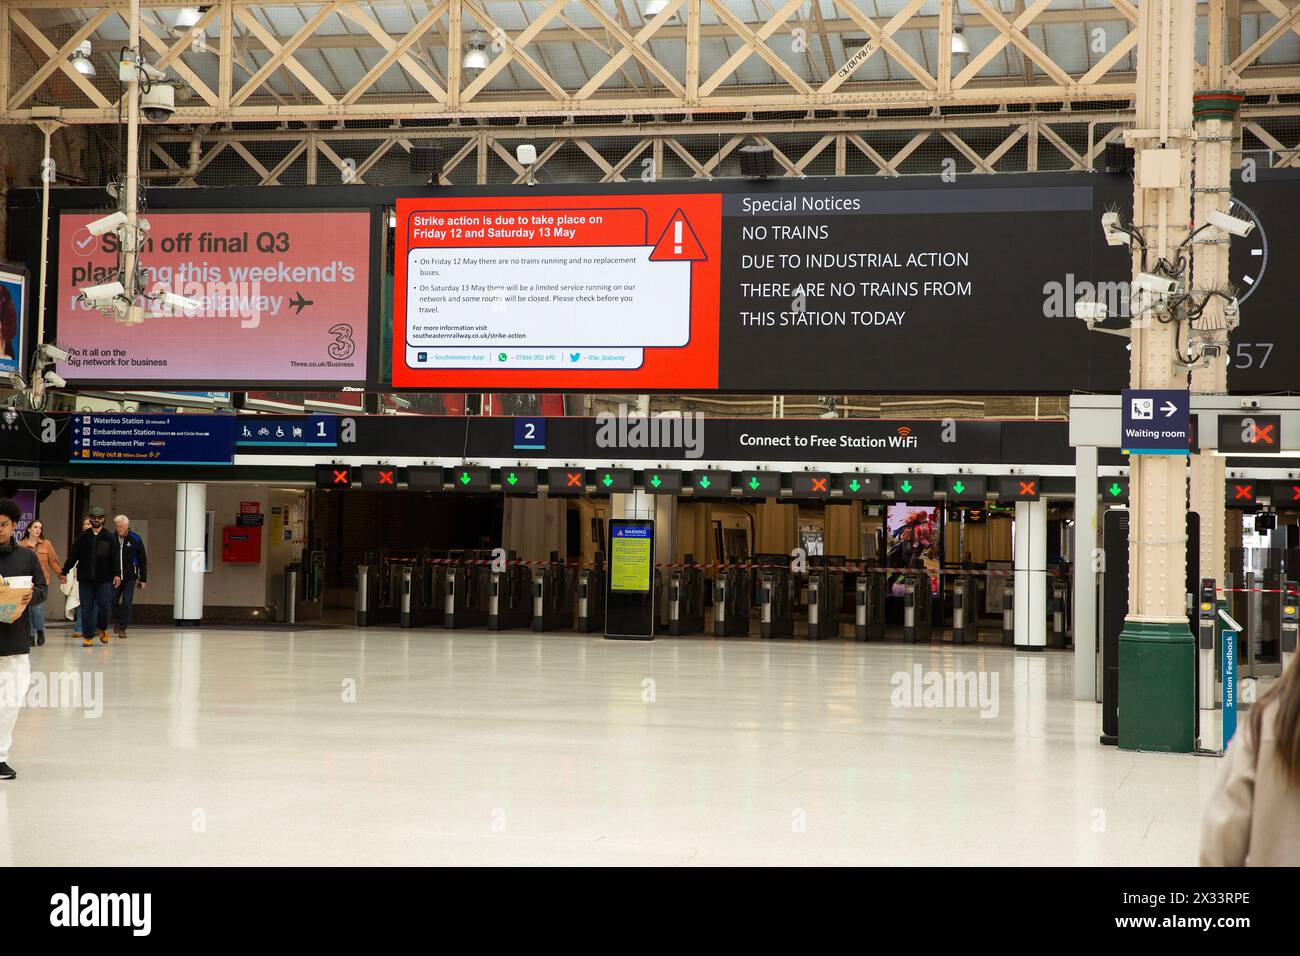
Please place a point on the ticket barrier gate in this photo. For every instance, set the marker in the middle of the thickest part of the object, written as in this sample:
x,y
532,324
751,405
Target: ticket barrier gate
x,y
1060,610
1206,644
468,587
423,584
731,601
1290,624
552,606
869,606
917,607
379,589
686,599
825,597
1009,615
776,597
591,596
966,611
510,595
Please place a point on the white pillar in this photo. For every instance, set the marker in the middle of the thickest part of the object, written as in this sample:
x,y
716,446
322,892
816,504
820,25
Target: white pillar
x,y
191,505
1085,572
1030,543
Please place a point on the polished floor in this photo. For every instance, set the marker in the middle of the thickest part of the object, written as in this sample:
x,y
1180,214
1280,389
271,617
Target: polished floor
x,y
385,746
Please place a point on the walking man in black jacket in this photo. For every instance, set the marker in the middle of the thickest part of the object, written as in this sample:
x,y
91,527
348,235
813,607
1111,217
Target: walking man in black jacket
x,y
93,555
132,567
15,637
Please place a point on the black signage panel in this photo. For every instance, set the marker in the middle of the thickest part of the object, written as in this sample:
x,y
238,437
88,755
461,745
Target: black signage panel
x,y
378,477
967,487
760,484
857,485
333,476
611,481
663,481
1114,490
711,484
1019,488
1285,494
470,478
1250,434
566,482
1243,492
810,484
424,478
913,487
519,481
630,583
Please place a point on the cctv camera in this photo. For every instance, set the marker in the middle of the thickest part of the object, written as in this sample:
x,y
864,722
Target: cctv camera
x,y
102,294
1091,311
16,382
1230,224
151,72
54,353
54,379
159,103
1250,403
526,154
1115,236
179,303
107,224
1161,285
124,313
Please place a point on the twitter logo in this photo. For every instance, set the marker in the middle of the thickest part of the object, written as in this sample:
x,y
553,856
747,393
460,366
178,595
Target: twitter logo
x,y
574,356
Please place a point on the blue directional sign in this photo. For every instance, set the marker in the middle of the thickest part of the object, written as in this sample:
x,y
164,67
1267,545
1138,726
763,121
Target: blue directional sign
x,y
1156,421
315,431
530,433
151,439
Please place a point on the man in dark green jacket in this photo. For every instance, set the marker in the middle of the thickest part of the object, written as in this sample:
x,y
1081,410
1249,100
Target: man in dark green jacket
x,y
15,636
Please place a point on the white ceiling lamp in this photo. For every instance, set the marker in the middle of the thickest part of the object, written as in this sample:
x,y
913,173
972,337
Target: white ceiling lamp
x,y
960,45
476,58
81,59
187,19
654,7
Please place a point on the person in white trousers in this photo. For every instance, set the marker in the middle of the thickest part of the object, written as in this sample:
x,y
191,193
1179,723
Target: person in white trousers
x,y
15,625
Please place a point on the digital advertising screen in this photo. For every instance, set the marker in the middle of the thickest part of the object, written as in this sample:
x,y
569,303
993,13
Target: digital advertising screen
x,y
13,309
913,544
284,299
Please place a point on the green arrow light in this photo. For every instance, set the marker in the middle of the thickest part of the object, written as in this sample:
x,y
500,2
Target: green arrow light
x,y
906,486
510,478
754,483
654,481
607,480
464,478
1116,489
704,481
853,485
958,487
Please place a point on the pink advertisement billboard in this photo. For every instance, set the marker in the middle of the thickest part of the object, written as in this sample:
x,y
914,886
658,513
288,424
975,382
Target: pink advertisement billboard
x,y
284,299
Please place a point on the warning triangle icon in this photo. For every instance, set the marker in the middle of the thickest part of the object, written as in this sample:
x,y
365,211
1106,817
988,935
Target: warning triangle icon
x,y
678,242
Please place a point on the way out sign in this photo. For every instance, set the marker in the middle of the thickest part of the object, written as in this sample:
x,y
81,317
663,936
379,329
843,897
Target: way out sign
x,y
1156,421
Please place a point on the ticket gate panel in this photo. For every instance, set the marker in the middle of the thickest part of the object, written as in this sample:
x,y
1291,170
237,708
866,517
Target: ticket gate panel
x,y
467,596
731,601
965,611
917,605
1059,634
776,602
510,597
825,596
1290,625
869,606
686,599
1009,615
591,598
367,594
552,597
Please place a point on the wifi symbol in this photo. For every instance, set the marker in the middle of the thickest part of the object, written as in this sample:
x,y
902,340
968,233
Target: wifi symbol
x,y
903,430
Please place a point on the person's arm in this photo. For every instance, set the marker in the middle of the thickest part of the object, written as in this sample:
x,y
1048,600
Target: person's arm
x,y
54,556
73,553
40,590
1225,825
142,560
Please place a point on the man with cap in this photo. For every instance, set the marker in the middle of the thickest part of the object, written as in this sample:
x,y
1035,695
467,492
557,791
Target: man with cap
x,y
92,554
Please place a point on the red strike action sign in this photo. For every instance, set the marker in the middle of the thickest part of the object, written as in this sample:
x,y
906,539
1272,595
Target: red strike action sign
x,y
568,292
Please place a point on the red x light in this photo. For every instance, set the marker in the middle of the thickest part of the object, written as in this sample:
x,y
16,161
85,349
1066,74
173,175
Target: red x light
x,y
342,477
386,477
1262,435
1027,487
819,484
1244,491
575,479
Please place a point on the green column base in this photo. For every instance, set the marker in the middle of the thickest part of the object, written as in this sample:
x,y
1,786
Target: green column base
x,y
1157,687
